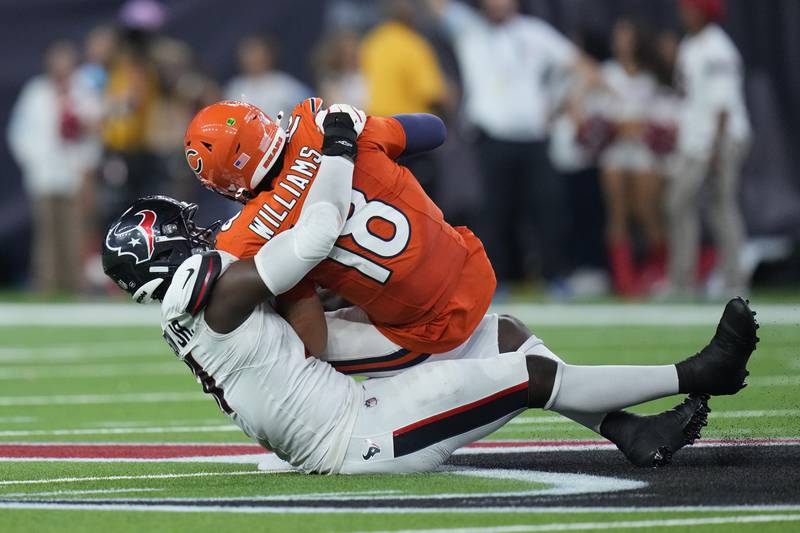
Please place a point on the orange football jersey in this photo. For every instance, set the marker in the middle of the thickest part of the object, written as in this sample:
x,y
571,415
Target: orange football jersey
x,y
424,284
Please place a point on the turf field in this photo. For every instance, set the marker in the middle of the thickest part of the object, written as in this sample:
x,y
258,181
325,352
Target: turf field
x,y
101,428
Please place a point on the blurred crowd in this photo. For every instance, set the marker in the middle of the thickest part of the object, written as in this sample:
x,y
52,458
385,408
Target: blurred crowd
x,y
583,163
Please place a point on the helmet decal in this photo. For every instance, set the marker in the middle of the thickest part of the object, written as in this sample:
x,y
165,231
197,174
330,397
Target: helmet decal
x,y
138,241
241,161
197,166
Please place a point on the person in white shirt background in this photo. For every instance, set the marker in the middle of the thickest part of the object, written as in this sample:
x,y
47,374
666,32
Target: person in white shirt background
x,y
509,64
260,83
713,138
53,137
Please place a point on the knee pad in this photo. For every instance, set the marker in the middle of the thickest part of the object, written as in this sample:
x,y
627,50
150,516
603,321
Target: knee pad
x,y
543,374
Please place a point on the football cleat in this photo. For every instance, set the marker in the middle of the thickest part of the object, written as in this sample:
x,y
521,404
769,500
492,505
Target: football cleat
x,y
651,441
721,367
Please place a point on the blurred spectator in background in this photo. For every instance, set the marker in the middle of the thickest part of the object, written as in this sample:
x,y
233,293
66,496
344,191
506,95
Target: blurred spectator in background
x,y
404,76
260,83
50,134
132,93
337,66
184,91
631,186
662,131
509,65
713,137
99,50
400,66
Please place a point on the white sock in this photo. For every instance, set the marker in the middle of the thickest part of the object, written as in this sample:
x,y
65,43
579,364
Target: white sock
x,y
602,389
585,403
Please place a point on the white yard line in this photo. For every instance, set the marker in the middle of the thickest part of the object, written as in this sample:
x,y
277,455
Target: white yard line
x,y
165,422
79,314
102,399
220,428
75,492
18,373
17,419
339,509
773,381
87,350
640,314
533,314
630,524
6,483
556,483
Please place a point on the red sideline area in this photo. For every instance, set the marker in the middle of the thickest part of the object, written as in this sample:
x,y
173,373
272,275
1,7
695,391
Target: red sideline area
x,y
168,451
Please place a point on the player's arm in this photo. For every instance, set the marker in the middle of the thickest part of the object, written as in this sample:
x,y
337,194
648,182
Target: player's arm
x,y
234,296
404,134
240,289
302,309
423,132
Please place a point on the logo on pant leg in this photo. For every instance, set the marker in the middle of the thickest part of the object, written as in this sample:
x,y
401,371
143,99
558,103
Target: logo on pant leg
x,y
371,402
372,450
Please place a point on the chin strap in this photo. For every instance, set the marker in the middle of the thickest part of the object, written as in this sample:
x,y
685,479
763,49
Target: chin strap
x,y
144,294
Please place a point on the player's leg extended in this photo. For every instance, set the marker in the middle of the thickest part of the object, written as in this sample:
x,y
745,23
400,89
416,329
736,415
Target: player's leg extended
x,y
592,395
718,369
413,421
590,389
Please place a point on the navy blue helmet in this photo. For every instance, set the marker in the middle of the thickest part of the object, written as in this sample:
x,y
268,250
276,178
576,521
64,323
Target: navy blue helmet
x,y
145,246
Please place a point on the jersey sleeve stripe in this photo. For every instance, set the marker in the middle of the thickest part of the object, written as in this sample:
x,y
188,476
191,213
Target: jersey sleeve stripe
x,y
210,269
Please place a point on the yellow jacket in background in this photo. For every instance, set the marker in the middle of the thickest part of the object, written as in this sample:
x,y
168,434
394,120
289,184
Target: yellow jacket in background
x,y
401,71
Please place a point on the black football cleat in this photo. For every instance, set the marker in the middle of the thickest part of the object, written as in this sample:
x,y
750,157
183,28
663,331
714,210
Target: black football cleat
x,y
651,441
721,367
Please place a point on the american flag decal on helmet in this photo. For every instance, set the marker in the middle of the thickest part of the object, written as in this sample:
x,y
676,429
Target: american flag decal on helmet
x,y
241,161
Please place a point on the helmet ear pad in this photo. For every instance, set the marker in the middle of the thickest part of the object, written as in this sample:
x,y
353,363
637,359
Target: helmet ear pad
x,y
145,293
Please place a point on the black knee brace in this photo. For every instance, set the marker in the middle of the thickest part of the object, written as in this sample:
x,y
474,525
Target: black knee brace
x,y
541,378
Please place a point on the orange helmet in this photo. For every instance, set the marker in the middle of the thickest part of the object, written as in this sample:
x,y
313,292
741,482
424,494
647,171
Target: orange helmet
x,y
231,146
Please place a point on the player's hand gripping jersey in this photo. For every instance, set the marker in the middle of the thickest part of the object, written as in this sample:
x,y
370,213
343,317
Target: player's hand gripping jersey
x,y
424,284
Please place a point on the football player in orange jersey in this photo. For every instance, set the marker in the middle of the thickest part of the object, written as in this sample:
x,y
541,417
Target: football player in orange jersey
x,y
418,285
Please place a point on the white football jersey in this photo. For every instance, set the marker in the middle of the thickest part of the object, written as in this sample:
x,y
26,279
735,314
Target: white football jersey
x,y
298,407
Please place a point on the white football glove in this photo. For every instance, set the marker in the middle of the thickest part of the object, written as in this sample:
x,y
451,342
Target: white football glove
x,y
359,117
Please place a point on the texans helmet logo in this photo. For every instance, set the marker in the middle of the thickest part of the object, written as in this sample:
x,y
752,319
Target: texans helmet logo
x,y
137,241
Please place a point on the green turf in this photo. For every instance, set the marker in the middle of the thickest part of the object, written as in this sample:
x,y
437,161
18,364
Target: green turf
x,y
42,370
157,522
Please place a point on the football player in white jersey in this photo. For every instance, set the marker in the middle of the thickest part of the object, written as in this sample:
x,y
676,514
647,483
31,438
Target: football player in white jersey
x,y
217,315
